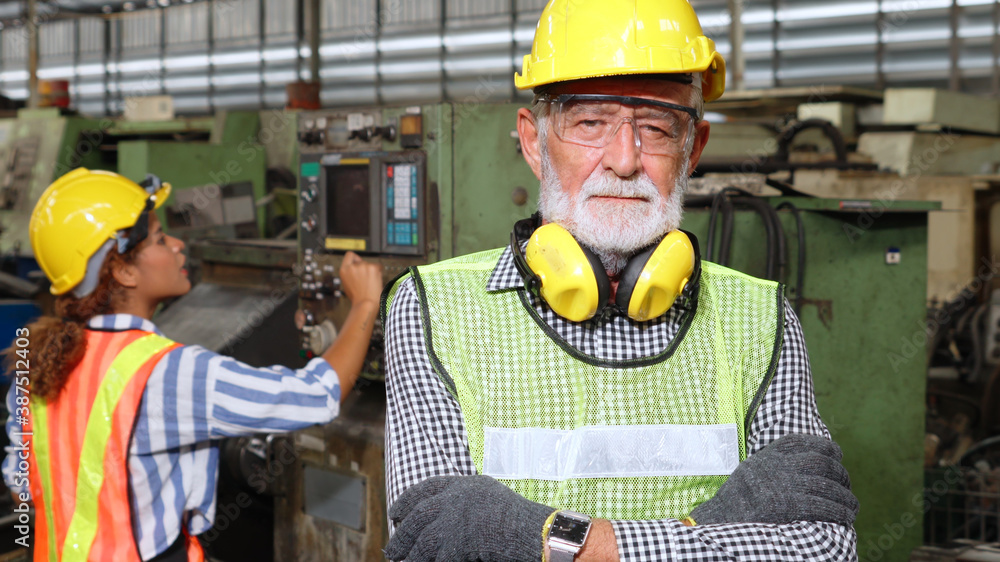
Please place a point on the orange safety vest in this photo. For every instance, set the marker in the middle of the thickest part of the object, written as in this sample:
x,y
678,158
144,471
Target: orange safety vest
x,y
79,452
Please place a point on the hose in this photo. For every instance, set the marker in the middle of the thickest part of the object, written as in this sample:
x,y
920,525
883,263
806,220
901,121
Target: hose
x,y
776,251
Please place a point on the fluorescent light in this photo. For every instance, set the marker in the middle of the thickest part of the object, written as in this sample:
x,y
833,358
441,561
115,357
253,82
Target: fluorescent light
x,y
348,50
147,65
280,54
280,76
348,71
14,76
243,57
195,61
55,72
483,63
90,70
412,43
235,79
410,67
84,89
827,11
187,83
477,38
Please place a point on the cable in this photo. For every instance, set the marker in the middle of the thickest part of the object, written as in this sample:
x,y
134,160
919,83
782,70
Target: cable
x,y
977,340
800,270
764,209
712,215
776,259
720,201
726,244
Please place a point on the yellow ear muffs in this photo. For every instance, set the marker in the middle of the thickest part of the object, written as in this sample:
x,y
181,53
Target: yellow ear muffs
x,y
572,279
653,279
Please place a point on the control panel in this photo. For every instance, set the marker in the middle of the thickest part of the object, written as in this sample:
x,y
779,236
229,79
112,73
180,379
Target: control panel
x,y
369,202
402,187
361,189
344,130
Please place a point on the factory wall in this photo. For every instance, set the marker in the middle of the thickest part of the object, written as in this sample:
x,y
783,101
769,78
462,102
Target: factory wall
x,y
241,53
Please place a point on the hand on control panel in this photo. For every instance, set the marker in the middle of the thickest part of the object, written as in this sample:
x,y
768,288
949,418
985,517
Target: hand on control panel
x,y
361,281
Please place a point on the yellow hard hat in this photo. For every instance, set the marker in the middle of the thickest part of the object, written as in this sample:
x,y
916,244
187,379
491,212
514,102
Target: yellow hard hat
x,y
78,214
578,39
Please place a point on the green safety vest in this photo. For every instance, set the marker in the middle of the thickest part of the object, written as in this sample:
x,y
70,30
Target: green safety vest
x,y
647,438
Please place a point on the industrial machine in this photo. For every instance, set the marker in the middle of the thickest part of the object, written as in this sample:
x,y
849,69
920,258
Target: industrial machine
x,y
217,166
860,296
35,148
402,187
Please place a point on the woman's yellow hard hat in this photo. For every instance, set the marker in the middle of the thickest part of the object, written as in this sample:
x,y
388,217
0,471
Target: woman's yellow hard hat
x,y
78,214
578,39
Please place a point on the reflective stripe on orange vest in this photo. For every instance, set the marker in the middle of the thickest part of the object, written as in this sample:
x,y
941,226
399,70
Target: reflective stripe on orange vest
x,y
81,449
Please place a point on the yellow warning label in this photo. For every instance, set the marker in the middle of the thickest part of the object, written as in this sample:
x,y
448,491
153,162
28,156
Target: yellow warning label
x,y
358,245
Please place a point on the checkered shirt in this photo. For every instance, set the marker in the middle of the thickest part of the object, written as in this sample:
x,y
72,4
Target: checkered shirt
x,y
425,432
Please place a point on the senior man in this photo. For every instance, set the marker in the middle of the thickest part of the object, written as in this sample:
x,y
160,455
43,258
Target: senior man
x,y
594,391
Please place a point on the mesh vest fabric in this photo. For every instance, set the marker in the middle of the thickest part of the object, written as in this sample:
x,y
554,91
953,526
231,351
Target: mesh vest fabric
x,y
506,371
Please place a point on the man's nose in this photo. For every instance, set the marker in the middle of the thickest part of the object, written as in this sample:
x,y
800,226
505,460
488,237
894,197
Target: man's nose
x,y
623,154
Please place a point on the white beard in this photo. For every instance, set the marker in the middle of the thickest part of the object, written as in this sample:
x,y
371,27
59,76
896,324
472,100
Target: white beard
x,y
614,231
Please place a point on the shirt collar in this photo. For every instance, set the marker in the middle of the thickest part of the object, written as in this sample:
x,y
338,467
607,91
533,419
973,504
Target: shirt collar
x,y
505,275
121,323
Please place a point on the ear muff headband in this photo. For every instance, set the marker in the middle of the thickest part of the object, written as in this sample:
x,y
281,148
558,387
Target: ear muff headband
x,y
522,231
654,278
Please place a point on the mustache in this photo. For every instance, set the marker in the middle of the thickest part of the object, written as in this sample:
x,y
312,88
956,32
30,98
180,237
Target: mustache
x,y
638,186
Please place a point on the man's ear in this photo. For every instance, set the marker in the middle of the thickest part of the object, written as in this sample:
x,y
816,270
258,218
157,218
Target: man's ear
x,y
127,275
701,130
527,133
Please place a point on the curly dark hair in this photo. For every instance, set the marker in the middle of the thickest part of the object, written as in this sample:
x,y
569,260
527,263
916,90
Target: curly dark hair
x,y
59,341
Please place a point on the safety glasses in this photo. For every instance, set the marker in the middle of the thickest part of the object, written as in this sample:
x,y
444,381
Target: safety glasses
x,y
594,119
140,230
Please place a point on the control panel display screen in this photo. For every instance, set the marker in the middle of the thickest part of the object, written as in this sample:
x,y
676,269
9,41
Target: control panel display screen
x,y
348,199
401,203
370,202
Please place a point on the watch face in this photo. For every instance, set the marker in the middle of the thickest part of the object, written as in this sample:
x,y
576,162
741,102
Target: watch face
x,y
569,529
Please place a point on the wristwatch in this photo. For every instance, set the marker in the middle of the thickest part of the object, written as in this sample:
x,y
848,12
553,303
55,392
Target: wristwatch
x,y
566,536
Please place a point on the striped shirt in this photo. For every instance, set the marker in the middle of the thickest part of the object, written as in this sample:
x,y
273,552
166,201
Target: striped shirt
x,y
193,398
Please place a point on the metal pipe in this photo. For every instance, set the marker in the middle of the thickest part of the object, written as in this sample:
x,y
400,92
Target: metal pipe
x,y
954,48
736,34
880,31
33,97
313,37
996,48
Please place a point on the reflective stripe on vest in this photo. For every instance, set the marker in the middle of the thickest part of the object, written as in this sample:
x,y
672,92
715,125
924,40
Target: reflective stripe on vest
x,y
40,420
649,438
83,524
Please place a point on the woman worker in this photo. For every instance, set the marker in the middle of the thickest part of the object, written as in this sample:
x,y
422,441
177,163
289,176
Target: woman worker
x,y
122,424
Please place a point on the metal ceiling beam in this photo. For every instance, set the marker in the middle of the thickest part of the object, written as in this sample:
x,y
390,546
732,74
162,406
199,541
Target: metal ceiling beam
x,y
33,32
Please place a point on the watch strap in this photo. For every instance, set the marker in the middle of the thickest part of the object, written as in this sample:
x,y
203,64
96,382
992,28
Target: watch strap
x,y
561,555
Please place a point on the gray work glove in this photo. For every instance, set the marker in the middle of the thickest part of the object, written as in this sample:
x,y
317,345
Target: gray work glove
x,y
465,518
796,478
